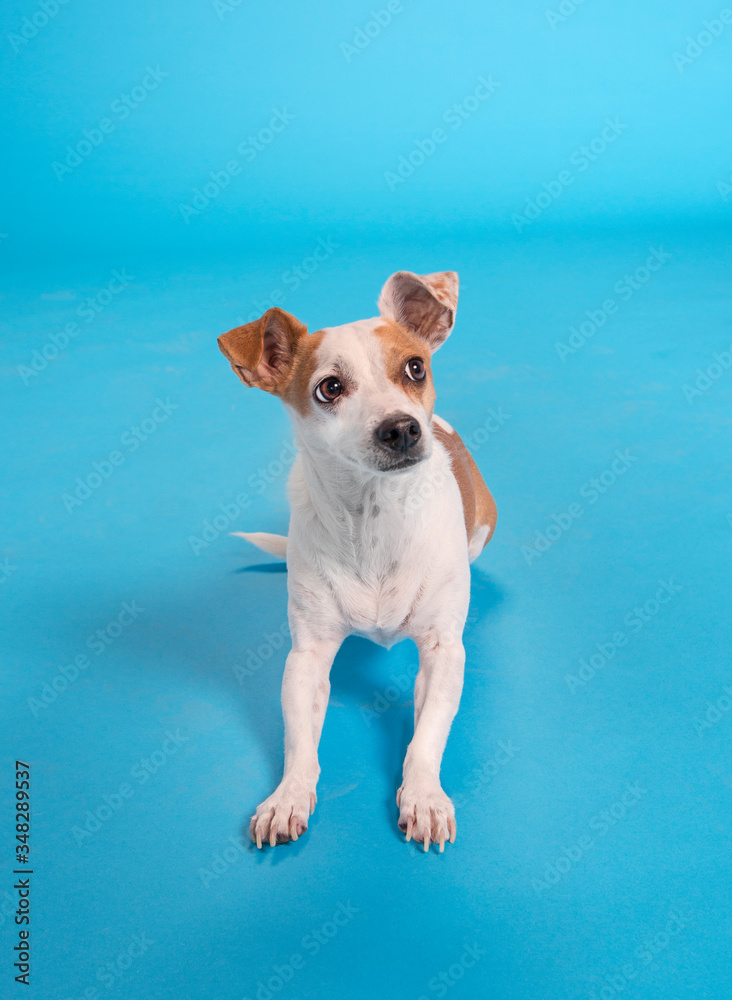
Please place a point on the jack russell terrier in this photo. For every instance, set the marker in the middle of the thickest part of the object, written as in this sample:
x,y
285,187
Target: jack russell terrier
x,y
388,511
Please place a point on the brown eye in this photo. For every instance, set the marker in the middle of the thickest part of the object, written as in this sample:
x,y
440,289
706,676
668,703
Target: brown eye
x,y
329,389
415,369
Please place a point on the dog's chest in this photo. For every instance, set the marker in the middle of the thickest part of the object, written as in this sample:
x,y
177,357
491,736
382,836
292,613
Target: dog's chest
x,y
372,558
378,601
378,571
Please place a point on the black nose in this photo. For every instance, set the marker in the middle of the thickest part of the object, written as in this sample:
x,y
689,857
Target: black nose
x,y
398,432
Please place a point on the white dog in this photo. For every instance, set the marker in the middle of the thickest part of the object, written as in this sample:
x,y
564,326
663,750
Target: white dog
x,y
388,510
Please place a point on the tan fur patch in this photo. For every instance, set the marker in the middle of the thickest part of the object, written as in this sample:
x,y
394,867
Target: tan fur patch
x,y
479,507
297,390
399,346
262,353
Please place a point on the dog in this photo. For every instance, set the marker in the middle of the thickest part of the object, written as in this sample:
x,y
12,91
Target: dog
x,y
388,509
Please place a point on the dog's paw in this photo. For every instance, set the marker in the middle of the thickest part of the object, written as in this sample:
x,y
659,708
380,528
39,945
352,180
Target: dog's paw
x,y
425,812
284,815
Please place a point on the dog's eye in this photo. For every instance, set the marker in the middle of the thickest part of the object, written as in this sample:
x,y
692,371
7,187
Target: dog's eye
x,y
329,389
415,369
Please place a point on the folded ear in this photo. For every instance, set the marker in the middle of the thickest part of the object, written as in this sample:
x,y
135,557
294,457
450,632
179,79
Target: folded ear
x,y
261,353
425,303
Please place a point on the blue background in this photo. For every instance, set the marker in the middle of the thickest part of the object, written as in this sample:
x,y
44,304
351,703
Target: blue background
x,y
643,911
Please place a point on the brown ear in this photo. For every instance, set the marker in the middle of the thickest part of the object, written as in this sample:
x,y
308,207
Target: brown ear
x,y
425,303
261,353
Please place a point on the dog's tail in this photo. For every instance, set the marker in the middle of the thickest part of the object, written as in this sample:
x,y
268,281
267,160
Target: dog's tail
x,y
276,545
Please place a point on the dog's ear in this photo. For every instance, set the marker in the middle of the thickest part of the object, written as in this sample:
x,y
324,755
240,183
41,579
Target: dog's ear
x,y
261,353
425,303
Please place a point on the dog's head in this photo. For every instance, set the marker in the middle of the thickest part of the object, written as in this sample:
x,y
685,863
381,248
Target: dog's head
x,y
362,392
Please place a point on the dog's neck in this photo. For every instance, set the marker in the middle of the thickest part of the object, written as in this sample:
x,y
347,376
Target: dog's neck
x,y
335,482
360,512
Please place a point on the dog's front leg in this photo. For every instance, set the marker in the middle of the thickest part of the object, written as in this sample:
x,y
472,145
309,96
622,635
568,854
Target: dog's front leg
x,y
425,812
305,691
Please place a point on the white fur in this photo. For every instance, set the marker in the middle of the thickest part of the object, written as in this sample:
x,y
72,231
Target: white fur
x,y
443,424
380,554
276,545
478,540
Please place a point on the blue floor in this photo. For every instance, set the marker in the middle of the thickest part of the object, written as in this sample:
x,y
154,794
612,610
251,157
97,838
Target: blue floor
x,y
144,646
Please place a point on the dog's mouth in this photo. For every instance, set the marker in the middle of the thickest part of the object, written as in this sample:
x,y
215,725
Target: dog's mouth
x,y
400,463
